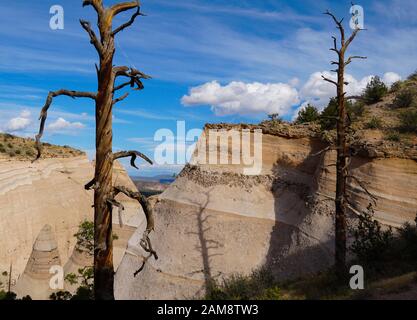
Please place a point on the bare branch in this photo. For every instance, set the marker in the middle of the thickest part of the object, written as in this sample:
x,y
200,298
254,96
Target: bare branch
x,y
352,36
145,242
91,185
44,111
117,204
363,187
96,4
355,98
124,6
121,98
129,23
122,86
132,73
321,151
329,80
133,154
339,26
93,38
349,60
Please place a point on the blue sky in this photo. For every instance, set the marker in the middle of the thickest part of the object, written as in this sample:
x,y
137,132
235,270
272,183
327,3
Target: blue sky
x,y
211,61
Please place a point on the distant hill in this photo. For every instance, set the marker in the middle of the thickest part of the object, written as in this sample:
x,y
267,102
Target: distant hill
x,y
24,148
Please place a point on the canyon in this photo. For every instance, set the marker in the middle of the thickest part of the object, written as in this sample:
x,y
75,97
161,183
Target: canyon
x,y
215,221
42,205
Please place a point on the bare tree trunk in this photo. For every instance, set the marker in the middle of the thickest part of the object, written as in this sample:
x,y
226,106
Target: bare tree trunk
x,y
103,237
342,146
104,192
340,215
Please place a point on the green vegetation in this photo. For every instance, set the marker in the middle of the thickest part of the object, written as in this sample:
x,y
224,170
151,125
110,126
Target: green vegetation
x,y
308,114
375,91
24,148
413,76
381,251
405,98
408,121
274,117
257,286
85,276
388,257
393,136
328,117
374,123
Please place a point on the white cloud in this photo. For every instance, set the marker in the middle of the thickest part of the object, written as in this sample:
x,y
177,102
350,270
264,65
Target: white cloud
x,y
390,78
318,91
62,124
19,123
243,98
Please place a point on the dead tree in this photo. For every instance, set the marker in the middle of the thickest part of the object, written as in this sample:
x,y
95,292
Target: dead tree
x,y
342,146
104,192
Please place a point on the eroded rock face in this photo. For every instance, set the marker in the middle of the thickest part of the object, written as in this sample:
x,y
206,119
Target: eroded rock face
x,y
35,279
51,192
214,220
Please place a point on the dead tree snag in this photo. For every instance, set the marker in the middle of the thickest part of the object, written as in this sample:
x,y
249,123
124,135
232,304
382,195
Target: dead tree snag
x,y
104,192
342,146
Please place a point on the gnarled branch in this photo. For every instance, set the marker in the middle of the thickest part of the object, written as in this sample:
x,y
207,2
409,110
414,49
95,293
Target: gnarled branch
x,y
349,60
129,23
339,26
133,154
145,242
91,185
329,80
93,38
121,208
363,187
124,6
96,4
133,74
44,111
121,98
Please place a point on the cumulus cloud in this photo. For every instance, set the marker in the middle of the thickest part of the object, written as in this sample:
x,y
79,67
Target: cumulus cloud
x,y
19,123
62,124
318,92
390,78
249,98
243,98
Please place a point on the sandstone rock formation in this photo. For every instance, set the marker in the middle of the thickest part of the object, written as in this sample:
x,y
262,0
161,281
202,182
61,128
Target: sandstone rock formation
x,y
36,277
51,192
214,220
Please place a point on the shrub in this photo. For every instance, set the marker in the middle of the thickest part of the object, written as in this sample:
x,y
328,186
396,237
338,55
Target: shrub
x,y
274,117
405,98
393,136
374,123
375,90
9,145
413,76
259,285
356,109
30,153
371,242
18,151
2,149
397,86
307,114
329,114
408,121
11,153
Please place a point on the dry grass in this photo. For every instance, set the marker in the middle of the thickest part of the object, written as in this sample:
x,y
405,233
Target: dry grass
x,y
24,149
